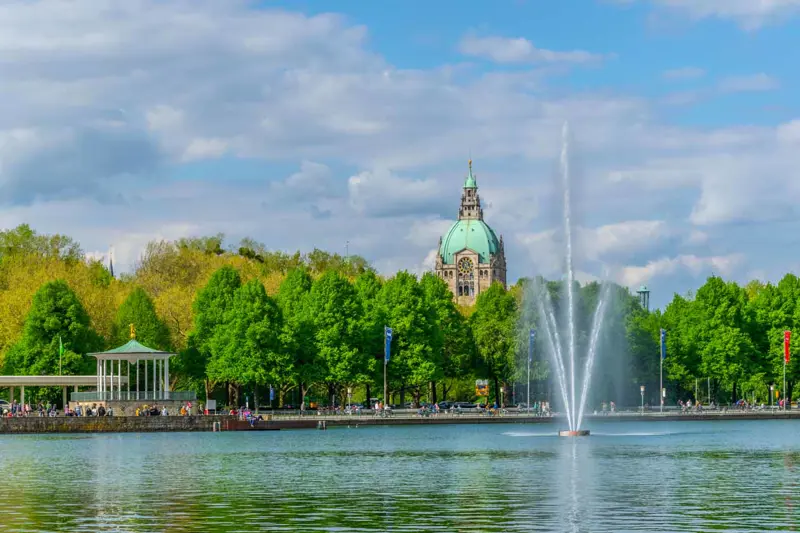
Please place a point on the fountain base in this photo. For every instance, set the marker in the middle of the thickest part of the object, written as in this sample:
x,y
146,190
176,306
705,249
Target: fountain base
x,y
578,433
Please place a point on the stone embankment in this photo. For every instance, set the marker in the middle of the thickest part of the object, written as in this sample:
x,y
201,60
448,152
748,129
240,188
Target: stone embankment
x,y
108,424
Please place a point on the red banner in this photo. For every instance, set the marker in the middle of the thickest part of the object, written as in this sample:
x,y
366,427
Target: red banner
x,y
786,336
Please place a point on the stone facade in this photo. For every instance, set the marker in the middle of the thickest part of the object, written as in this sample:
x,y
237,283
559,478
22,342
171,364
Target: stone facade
x,y
471,257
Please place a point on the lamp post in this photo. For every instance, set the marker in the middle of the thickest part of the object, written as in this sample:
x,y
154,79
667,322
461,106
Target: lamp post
x,y
349,394
771,395
641,389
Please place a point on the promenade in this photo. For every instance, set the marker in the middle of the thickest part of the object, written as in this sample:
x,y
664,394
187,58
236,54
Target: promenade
x,y
288,421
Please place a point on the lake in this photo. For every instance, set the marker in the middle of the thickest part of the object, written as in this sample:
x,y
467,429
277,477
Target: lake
x,y
628,476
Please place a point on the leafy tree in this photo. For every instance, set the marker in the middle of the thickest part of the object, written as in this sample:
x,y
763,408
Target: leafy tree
x,y
210,312
335,314
456,343
416,358
298,330
23,240
368,286
248,348
138,309
493,325
56,318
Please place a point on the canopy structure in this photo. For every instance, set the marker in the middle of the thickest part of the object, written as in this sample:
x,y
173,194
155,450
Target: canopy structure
x,y
151,367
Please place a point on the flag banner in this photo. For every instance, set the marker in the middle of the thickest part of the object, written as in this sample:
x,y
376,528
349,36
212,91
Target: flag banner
x,y
787,335
388,347
663,344
60,346
530,345
271,394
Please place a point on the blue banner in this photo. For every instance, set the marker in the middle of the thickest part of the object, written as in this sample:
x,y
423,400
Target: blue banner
x,y
271,393
663,344
387,349
530,345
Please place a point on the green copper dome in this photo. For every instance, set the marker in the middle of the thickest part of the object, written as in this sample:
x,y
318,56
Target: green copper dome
x,y
474,235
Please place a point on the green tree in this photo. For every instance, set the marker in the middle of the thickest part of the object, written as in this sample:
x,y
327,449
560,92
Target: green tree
x,y
416,358
453,337
335,313
23,240
248,349
138,309
298,330
368,286
493,325
56,319
210,307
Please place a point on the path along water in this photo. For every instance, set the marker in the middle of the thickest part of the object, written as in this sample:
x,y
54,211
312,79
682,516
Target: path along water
x,y
629,476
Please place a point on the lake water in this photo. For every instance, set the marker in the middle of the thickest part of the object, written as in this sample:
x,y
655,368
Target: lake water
x,y
629,476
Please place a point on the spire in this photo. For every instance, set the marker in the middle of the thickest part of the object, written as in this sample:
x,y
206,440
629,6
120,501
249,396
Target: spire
x,y
111,261
133,331
471,182
470,201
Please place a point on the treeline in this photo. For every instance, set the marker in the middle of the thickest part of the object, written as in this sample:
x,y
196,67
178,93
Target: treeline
x,y
726,341
242,319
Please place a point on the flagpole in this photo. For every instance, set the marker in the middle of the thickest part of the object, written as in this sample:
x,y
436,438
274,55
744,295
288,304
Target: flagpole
x,y
530,355
661,371
61,351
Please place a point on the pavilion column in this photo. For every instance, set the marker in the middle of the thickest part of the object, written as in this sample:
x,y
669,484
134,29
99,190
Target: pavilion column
x,y
129,381
145,379
155,379
11,395
166,378
64,397
97,373
111,389
119,380
137,379
22,395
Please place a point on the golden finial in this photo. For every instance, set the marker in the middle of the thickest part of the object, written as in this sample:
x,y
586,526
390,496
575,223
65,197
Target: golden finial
x,y
470,164
133,331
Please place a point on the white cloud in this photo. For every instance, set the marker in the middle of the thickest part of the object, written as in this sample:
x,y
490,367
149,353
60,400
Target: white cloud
x,y
752,83
750,14
633,276
684,73
520,50
101,107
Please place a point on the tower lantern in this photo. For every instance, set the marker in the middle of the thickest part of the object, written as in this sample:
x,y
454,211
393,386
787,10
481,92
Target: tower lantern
x,y
644,297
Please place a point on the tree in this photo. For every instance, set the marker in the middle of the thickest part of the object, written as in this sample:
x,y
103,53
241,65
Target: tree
x,y
493,325
367,286
247,349
298,330
210,309
56,319
138,309
453,336
23,240
416,358
335,314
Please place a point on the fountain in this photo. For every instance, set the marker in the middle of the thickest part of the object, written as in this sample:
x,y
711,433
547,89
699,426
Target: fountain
x,y
566,373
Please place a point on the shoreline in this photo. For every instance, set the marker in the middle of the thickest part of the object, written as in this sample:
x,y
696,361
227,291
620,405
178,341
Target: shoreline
x,y
120,424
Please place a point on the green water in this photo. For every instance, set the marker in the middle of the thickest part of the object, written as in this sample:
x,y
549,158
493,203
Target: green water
x,y
680,476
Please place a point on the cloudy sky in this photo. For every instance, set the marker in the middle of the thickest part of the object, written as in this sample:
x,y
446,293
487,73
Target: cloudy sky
x,y
122,122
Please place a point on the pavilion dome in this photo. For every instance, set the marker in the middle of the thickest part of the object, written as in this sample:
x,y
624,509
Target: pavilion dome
x,y
471,234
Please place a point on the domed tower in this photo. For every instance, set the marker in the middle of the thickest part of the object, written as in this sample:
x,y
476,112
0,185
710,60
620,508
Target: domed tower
x,y
471,257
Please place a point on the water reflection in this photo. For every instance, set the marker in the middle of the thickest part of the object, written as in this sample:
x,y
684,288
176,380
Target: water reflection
x,y
740,477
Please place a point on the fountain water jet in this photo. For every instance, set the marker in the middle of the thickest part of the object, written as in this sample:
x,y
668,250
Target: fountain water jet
x,y
574,408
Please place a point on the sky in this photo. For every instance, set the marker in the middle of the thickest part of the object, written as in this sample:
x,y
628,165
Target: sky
x,y
302,127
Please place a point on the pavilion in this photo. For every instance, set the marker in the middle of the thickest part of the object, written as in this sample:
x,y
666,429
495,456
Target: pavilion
x,y
132,372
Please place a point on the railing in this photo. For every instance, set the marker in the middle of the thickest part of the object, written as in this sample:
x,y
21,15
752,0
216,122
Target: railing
x,y
133,396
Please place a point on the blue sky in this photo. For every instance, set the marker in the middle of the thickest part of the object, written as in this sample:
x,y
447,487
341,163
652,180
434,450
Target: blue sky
x,y
304,127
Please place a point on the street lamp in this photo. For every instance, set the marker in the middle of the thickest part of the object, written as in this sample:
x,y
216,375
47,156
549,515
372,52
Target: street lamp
x,y
641,389
349,394
771,395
